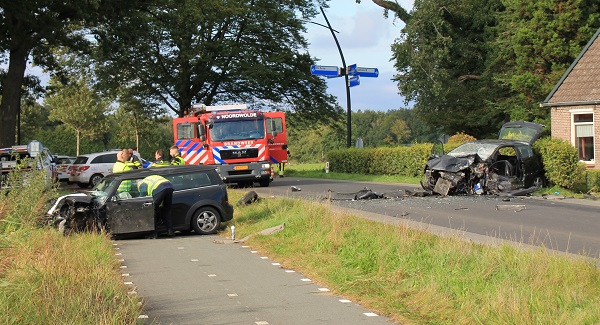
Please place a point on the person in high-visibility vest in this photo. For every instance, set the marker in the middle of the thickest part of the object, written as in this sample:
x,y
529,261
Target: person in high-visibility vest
x,y
159,159
161,191
123,164
175,156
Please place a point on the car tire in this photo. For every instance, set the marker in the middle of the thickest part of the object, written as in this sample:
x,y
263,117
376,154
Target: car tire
x,y
539,182
95,179
264,183
206,221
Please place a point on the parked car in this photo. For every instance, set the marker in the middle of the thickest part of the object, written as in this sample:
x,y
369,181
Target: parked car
x,y
200,203
36,156
505,165
62,167
88,170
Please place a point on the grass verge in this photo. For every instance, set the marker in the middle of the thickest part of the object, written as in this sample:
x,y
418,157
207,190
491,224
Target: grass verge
x,y
46,278
418,278
317,170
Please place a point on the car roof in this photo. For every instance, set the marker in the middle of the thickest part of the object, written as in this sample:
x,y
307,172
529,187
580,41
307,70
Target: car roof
x,y
499,142
166,170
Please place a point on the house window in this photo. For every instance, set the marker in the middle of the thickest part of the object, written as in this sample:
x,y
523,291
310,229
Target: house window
x,y
583,125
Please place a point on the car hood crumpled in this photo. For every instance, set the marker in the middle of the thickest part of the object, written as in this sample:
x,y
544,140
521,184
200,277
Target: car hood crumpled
x,y
450,163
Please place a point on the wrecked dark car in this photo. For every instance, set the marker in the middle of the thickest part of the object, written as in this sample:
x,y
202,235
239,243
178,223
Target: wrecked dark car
x,y
506,165
200,203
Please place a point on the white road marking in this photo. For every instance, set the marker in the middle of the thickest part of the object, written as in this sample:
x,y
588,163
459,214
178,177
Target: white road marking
x,y
370,314
345,301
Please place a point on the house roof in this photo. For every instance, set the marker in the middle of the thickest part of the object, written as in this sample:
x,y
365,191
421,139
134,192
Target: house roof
x,y
580,85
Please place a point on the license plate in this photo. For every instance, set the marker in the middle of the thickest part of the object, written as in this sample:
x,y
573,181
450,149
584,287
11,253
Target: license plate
x,y
244,167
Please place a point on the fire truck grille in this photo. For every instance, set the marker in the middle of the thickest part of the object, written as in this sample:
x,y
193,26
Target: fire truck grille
x,y
239,153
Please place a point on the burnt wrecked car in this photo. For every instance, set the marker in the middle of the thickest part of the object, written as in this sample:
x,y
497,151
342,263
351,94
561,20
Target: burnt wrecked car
x,y
200,203
506,165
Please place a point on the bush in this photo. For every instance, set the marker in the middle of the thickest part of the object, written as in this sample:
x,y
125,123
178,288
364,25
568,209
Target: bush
x,y
593,180
460,138
561,163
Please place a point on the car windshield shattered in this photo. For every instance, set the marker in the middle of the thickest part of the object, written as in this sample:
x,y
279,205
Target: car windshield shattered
x,y
483,150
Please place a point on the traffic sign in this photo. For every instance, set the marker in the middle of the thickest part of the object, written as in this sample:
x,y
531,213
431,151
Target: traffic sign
x,y
367,72
325,70
351,69
353,81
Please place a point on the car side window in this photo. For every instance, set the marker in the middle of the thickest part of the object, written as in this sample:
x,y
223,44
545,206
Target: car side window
x,y
189,181
525,152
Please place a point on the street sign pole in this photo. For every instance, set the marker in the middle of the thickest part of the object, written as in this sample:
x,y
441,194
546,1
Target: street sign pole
x,y
348,105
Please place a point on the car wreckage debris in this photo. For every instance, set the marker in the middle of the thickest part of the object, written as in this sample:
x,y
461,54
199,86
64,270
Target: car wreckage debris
x,y
511,207
368,194
248,198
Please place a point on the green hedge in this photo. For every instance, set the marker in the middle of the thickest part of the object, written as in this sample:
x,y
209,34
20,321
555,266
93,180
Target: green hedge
x,y
561,163
404,161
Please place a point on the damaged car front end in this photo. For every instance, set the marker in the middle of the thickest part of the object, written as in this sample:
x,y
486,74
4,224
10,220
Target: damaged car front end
x,y
506,165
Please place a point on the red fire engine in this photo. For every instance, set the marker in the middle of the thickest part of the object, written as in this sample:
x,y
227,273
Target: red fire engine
x,y
243,144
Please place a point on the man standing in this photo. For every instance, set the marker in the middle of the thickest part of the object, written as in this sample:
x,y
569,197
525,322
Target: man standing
x,y
161,191
123,164
175,156
159,159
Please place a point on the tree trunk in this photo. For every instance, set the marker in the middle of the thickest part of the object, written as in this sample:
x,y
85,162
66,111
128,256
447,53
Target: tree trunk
x,y
11,96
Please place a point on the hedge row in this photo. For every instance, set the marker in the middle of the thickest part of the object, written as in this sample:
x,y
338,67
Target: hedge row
x,y
559,158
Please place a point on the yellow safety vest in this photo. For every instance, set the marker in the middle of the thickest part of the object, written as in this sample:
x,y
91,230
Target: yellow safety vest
x,y
118,167
177,160
152,182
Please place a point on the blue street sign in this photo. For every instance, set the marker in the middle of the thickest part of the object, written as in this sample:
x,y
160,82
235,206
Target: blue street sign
x,y
353,81
325,70
351,69
367,72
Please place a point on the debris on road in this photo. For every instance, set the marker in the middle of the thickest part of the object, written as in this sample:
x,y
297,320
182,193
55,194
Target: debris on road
x,y
511,207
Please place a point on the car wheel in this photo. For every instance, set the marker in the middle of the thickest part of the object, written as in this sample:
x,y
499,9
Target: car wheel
x,y
206,221
95,179
539,182
264,183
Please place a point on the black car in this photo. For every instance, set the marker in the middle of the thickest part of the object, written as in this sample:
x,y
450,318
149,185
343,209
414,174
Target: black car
x,y
200,203
506,165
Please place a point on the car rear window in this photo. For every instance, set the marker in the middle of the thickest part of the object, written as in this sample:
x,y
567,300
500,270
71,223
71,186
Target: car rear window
x,y
110,158
81,160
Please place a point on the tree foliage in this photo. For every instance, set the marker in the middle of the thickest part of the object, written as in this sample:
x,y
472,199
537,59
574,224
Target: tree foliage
x,y
214,51
79,107
31,29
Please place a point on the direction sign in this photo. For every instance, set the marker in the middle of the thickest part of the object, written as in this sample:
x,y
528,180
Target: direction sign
x,y
353,81
351,69
325,70
367,72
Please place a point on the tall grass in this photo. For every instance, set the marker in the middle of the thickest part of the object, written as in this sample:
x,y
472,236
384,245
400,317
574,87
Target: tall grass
x,y
419,278
46,278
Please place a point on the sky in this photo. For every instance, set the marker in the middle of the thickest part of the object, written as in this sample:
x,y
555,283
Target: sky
x,y
365,37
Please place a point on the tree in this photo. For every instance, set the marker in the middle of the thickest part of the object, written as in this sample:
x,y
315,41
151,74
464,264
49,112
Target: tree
x,y
537,42
211,51
79,107
30,29
441,61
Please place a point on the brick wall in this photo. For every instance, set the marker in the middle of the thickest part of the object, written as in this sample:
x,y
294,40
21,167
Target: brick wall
x,y
561,128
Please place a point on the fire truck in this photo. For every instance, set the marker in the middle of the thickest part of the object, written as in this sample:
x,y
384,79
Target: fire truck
x,y
243,144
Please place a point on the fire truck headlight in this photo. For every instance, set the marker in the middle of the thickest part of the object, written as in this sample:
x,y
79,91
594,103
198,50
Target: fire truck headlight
x,y
266,166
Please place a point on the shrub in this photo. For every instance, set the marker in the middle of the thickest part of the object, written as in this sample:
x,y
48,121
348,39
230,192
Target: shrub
x,y
593,180
561,163
460,138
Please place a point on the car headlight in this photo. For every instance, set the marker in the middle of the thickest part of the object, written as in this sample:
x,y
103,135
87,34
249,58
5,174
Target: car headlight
x,y
266,166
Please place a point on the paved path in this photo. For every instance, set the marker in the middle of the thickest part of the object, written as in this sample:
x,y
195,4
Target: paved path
x,y
197,280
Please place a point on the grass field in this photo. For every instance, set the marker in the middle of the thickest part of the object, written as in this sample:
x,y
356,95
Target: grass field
x,y
418,278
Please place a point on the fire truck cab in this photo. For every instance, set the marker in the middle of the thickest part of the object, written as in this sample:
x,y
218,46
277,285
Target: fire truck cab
x,y
243,144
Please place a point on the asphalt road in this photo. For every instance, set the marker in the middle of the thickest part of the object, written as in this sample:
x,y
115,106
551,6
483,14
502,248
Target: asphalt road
x,y
562,224
193,279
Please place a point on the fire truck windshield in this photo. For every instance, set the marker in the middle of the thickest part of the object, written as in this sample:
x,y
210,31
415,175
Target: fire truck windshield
x,y
237,130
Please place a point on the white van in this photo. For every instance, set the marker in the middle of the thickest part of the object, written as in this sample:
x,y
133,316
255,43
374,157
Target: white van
x,y
89,170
